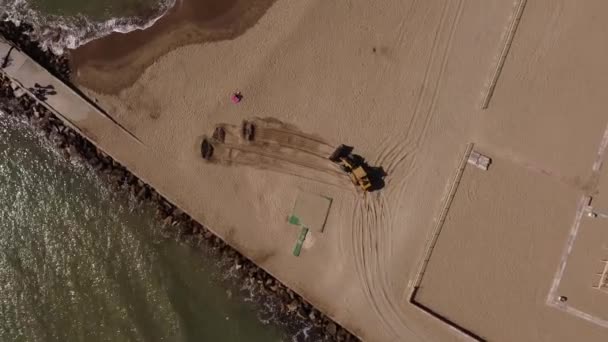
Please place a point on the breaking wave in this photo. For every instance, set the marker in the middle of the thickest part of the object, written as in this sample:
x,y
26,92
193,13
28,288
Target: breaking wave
x,y
60,32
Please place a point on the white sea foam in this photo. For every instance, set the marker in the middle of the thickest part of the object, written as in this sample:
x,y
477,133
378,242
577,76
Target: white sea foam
x,y
58,33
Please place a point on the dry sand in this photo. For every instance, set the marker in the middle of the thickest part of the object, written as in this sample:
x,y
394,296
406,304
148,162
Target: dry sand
x,y
585,278
495,258
584,263
116,61
403,82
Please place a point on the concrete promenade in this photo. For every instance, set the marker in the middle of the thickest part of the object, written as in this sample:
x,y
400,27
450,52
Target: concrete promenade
x,y
67,104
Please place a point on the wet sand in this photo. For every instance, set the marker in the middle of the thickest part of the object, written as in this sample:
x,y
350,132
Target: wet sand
x,y
115,62
403,82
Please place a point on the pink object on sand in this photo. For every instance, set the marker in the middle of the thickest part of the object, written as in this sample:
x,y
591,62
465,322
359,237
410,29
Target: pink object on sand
x,y
236,98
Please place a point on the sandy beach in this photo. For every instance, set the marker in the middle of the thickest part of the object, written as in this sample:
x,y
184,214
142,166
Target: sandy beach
x,y
115,62
407,83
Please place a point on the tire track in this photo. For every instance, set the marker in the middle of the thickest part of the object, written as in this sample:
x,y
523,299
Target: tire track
x,y
387,141
429,111
226,155
373,222
390,151
290,156
283,141
402,162
278,151
361,253
398,150
408,159
372,252
293,140
268,136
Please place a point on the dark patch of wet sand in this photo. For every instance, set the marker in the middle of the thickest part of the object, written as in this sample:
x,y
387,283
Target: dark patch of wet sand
x,y
116,61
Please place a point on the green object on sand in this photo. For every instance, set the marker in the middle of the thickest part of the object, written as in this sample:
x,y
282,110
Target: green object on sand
x,y
298,248
293,219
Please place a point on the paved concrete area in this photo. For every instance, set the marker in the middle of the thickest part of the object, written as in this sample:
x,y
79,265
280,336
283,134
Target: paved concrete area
x,y
67,104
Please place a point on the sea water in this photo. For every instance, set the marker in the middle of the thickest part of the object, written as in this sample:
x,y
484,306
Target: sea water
x,y
60,24
81,263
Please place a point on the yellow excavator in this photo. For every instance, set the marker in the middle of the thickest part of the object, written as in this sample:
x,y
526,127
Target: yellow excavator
x,y
368,178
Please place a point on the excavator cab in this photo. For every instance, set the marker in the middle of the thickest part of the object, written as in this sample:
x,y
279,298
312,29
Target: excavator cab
x,y
354,165
360,177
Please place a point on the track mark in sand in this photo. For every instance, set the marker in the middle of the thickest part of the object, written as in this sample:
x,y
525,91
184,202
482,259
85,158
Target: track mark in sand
x,y
226,155
290,156
371,249
429,111
270,132
371,239
537,168
359,255
285,149
448,198
402,160
434,47
508,41
426,100
364,254
402,29
271,145
295,141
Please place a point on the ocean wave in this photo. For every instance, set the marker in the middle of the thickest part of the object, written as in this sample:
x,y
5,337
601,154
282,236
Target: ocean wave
x,y
57,33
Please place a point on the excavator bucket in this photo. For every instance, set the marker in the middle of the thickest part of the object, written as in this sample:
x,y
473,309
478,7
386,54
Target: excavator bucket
x,y
206,149
342,151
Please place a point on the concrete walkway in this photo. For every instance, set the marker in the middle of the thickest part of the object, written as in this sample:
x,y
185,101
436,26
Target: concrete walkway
x,y
67,104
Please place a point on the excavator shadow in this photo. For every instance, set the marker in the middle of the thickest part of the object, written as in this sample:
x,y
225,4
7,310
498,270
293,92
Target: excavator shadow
x,y
376,176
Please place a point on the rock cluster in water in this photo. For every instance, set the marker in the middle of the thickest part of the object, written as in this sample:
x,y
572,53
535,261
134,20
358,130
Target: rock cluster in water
x,y
281,303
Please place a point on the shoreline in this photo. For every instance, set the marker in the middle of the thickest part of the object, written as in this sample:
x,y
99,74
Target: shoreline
x,y
59,33
114,62
265,289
